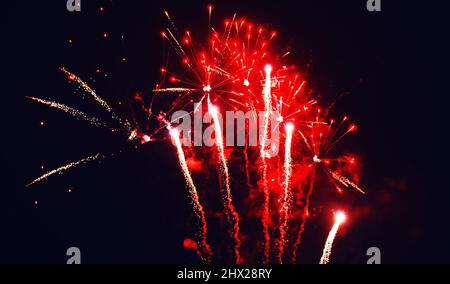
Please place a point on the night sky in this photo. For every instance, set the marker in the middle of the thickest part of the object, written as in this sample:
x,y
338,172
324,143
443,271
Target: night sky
x,y
133,207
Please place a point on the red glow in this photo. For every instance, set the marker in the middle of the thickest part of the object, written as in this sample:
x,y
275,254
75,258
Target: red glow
x,y
340,217
190,244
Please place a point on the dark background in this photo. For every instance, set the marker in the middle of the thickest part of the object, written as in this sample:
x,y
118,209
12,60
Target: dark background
x,y
133,208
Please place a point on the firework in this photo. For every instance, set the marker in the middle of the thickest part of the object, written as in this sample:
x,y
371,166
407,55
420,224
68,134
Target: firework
x,y
71,76
339,218
74,112
64,168
198,208
267,108
91,119
266,212
231,213
228,68
287,196
320,136
236,69
266,219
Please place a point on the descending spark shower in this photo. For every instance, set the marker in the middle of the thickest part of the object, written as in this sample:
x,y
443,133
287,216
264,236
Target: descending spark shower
x,y
236,70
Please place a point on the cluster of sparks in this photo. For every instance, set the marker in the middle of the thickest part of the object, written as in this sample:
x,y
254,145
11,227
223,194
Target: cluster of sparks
x,y
235,69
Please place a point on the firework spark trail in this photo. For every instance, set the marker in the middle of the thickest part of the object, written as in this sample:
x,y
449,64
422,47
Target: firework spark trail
x,y
266,213
232,215
287,197
304,217
267,109
339,219
247,166
266,210
247,161
174,90
98,99
66,167
74,112
166,13
345,181
198,208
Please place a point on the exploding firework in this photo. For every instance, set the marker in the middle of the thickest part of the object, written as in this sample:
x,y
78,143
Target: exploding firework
x,y
319,137
236,69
